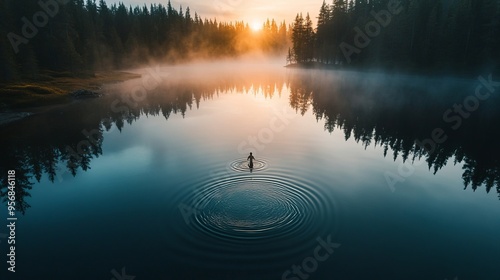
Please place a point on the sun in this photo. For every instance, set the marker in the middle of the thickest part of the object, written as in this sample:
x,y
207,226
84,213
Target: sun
x,y
256,26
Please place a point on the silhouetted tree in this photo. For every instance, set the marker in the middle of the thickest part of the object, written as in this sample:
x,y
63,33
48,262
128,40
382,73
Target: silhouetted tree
x,y
81,37
441,35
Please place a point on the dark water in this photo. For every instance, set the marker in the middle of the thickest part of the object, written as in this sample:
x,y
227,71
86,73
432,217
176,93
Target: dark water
x,y
152,180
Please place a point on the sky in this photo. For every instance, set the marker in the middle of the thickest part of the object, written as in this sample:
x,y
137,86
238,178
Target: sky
x,y
250,11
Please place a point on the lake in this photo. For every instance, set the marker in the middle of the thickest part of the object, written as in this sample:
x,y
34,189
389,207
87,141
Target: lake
x,y
356,176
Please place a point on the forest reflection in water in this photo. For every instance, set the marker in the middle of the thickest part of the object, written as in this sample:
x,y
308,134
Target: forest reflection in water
x,y
395,112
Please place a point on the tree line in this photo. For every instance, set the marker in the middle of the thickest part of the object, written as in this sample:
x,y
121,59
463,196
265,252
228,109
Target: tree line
x,y
370,108
81,37
40,151
362,107
442,35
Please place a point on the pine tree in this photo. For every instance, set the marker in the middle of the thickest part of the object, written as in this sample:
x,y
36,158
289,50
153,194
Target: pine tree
x,y
309,38
8,68
298,39
322,34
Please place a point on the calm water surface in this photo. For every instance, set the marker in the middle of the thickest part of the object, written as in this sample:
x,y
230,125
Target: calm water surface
x,y
153,178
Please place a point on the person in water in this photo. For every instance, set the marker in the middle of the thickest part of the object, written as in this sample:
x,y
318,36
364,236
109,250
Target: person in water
x,y
250,158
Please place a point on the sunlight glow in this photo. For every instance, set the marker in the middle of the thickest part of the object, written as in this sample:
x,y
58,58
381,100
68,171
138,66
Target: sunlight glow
x,y
256,26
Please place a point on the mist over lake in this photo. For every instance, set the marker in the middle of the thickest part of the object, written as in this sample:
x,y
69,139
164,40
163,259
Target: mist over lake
x,y
155,177
249,140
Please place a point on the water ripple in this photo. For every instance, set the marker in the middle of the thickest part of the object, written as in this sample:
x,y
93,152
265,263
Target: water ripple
x,y
252,208
241,165
253,217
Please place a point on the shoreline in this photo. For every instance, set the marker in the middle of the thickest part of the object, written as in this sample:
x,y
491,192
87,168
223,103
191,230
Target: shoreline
x,y
392,71
21,99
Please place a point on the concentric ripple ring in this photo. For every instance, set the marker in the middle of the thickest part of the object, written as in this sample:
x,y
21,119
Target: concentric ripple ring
x,y
255,207
241,165
253,217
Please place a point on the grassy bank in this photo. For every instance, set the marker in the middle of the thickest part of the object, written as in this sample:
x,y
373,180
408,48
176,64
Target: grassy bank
x,y
54,88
